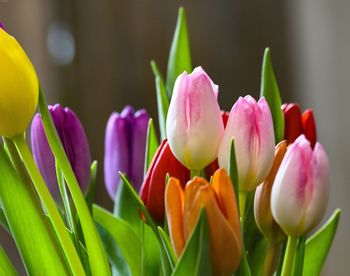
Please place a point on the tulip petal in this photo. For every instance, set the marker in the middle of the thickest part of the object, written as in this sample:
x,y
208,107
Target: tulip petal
x,y
292,188
309,126
174,203
292,118
320,193
116,156
138,127
194,124
225,247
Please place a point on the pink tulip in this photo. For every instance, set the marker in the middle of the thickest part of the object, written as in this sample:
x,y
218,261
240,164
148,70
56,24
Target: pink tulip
x,y
250,124
194,124
300,193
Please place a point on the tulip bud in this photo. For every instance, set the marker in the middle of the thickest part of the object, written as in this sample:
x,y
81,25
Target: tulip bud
x,y
250,124
300,191
218,200
153,187
262,202
125,144
194,125
309,126
296,124
19,87
2,26
75,144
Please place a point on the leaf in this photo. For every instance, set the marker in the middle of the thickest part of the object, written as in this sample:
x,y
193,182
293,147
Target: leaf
x,y
166,243
40,253
97,256
89,198
318,245
6,267
124,236
195,260
151,145
3,221
162,99
232,169
151,252
126,208
269,90
179,56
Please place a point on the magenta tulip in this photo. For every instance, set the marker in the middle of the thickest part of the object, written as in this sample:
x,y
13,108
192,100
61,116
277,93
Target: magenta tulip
x,y
300,191
194,125
250,124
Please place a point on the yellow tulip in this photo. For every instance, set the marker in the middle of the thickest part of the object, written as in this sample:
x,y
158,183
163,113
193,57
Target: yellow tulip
x,y
218,200
19,87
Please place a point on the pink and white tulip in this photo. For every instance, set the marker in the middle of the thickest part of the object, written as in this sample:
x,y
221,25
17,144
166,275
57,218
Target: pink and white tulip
x,y
194,125
250,124
300,193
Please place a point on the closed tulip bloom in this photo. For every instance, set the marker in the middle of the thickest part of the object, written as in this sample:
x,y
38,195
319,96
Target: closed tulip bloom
x,y
262,201
19,87
125,145
297,123
218,200
75,144
194,125
2,26
300,191
152,191
250,124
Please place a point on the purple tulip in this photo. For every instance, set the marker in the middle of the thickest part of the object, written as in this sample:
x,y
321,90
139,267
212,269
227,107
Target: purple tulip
x,y
2,26
74,141
125,144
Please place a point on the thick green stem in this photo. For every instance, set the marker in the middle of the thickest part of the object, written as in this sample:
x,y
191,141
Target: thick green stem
x,y
242,203
195,173
50,207
289,256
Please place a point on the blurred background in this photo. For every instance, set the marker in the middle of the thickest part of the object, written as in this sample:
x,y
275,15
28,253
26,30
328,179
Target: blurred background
x,y
93,56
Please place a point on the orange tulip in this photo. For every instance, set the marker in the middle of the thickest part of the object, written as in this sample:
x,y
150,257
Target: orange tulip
x,y
218,200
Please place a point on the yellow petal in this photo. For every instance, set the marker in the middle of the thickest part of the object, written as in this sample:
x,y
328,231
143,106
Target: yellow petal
x,y
174,200
18,87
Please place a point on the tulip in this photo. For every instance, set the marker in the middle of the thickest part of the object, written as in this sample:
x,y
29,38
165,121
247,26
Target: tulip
x,y
194,125
300,192
19,87
125,144
2,26
153,187
218,200
250,124
262,202
75,144
297,123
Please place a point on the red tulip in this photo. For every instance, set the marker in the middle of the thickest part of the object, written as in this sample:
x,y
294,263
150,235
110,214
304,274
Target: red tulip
x,y
152,191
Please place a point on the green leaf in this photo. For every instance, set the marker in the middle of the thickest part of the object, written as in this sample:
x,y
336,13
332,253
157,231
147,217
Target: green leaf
x,y
97,255
232,169
195,260
269,90
3,221
151,252
126,208
166,243
124,236
162,99
179,56
151,145
257,257
6,267
40,253
89,198
318,245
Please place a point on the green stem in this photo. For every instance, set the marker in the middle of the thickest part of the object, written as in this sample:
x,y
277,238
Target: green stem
x,y
195,173
49,204
96,252
289,256
242,203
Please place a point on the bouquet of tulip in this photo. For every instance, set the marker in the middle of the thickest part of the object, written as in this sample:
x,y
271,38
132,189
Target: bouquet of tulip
x,y
233,193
